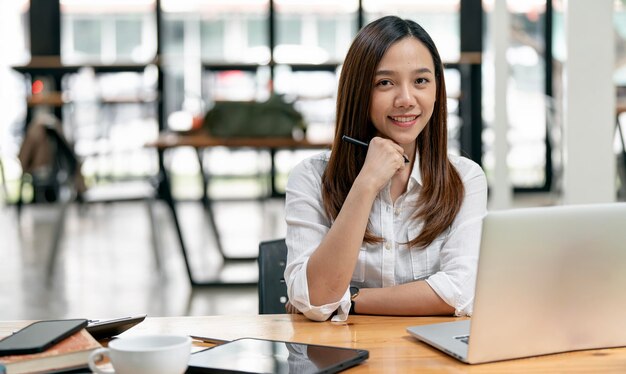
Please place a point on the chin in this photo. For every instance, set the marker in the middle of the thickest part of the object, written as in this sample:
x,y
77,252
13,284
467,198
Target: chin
x,y
405,137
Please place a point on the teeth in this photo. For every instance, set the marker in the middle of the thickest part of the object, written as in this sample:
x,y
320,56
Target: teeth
x,y
403,119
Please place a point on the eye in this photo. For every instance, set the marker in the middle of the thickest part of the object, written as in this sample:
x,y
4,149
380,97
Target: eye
x,y
384,82
422,81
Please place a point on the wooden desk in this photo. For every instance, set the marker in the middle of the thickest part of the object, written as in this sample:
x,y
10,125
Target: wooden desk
x,y
392,349
200,142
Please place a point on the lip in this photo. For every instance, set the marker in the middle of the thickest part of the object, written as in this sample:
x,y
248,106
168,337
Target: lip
x,y
404,120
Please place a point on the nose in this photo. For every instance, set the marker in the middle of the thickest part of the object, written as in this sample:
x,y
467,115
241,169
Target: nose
x,y
404,97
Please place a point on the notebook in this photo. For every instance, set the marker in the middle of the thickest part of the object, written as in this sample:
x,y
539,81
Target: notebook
x,y
549,280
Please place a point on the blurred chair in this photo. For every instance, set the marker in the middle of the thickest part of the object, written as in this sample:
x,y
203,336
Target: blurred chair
x,y
40,166
272,286
66,167
554,126
621,158
5,190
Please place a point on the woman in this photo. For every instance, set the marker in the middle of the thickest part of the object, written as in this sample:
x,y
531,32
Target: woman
x,y
367,232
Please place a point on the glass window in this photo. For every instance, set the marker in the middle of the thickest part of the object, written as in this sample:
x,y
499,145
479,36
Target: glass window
x,y
526,95
440,18
229,32
173,34
327,30
109,32
619,21
87,37
526,100
128,38
289,30
213,40
314,32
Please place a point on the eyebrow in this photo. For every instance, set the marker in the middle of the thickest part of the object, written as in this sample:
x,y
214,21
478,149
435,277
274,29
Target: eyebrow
x,y
416,71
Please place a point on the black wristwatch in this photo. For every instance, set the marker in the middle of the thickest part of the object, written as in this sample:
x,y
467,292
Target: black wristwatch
x,y
354,292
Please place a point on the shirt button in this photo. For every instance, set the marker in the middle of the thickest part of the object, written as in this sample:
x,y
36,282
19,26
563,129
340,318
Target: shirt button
x,y
397,211
387,245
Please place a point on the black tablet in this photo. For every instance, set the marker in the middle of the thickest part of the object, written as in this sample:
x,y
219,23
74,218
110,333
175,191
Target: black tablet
x,y
102,329
248,355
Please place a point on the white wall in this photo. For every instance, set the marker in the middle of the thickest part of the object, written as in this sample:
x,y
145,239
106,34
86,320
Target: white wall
x,y
589,172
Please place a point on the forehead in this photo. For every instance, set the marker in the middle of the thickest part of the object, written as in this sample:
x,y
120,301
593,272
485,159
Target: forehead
x,y
407,53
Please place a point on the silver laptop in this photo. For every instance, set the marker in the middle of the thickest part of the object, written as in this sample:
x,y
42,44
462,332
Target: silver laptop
x,y
550,279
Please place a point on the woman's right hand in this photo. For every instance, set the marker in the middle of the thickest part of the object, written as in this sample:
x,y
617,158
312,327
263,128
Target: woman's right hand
x,y
384,159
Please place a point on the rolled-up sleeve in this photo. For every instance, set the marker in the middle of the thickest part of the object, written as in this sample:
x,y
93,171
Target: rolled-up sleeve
x,y
307,224
456,279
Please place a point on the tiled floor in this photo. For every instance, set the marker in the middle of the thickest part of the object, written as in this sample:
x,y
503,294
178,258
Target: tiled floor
x,y
107,266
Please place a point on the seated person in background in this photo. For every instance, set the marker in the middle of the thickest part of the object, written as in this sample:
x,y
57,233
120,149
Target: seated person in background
x,y
398,238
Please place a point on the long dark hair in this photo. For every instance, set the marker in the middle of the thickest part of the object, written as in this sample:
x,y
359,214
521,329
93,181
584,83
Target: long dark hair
x,y
442,191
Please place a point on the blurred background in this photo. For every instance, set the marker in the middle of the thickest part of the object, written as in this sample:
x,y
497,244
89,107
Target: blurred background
x,y
118,73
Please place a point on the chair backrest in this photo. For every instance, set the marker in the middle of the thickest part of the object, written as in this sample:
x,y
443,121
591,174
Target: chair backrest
x,y
63,157
272,286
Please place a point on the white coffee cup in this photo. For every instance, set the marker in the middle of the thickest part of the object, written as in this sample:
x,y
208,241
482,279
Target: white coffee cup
x,y
148,354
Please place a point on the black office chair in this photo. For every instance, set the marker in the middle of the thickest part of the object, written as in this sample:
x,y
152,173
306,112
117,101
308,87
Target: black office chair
x,y
272,286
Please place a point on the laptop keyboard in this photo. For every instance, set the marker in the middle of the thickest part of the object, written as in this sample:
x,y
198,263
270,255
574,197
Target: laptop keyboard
x,y
462,338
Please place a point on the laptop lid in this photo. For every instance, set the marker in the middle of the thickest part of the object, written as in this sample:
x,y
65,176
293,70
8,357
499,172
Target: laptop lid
x,y
550,279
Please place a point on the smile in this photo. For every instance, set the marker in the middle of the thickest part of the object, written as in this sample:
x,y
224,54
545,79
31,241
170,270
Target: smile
x,y
404,121
404,118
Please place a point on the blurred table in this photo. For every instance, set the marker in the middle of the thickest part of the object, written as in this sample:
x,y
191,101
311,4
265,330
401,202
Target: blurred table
x,y
200,142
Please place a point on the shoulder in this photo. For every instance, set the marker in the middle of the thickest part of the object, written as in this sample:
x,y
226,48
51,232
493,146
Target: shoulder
x,y
472,175
311,168
466,168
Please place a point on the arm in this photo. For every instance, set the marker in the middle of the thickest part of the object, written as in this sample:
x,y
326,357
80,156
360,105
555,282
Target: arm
x,y
409,299
322,256
331,266
450,290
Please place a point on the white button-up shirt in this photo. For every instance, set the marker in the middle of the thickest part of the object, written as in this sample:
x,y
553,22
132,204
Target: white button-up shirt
x,y
448,264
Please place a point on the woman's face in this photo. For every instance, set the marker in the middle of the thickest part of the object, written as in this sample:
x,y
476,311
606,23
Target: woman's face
x,y
404,92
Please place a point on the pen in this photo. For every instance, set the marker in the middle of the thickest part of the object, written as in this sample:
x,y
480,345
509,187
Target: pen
x,y
348,139
205,339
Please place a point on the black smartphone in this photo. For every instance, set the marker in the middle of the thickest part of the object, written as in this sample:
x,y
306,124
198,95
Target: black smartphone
x,y
39,336
101,329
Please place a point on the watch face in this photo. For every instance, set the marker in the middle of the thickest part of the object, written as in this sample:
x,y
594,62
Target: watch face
x,y
354,291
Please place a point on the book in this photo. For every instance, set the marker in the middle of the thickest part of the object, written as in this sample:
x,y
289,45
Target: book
x,y
71,352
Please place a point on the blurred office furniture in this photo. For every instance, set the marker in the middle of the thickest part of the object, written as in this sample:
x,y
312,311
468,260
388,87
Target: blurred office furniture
x,y
39,166
272,286
262,82
621,159
554,131
65,171
167,141
5,190
66,167
118,80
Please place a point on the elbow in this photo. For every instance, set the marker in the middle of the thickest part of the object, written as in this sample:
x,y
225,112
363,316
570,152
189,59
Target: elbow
x,y
316,317
325,296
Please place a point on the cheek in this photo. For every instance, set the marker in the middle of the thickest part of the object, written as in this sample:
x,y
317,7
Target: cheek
x,y
377,108
428,101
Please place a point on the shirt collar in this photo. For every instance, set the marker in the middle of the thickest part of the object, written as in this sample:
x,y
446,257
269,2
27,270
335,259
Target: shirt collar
x,y
416,174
